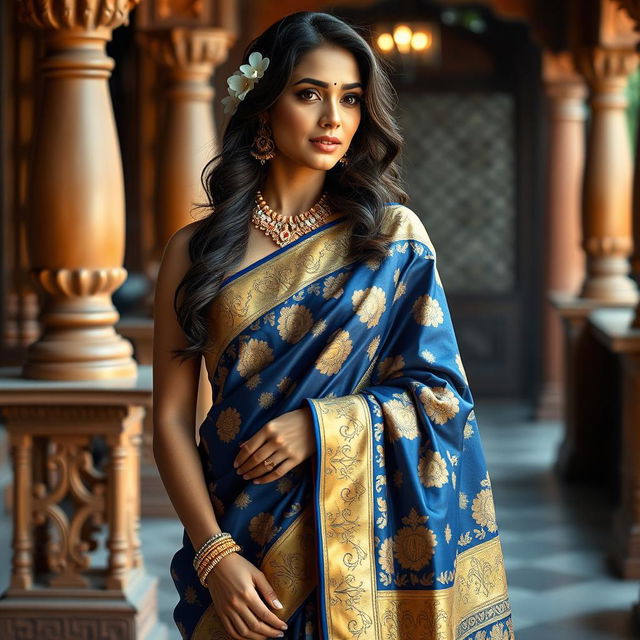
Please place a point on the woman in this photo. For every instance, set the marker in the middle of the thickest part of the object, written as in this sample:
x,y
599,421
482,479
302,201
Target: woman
x,y
340,457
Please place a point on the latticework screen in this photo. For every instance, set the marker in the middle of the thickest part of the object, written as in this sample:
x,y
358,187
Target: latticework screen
x,y
459,167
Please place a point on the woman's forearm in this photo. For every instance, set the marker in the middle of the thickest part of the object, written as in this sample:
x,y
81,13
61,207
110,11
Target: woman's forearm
x,y
180,468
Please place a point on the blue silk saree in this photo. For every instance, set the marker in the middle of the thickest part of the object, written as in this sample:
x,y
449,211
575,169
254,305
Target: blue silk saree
x,y
389,531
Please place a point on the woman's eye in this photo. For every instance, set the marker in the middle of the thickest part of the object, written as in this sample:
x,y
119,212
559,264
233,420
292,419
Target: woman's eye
x,y
306,92
352,98
356,98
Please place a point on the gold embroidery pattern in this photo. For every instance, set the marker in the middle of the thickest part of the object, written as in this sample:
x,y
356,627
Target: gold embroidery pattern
x,y
357,609
249,296
254,356
373,347
415,543
333,286
427,311
346,515
336,352
483,510
440,403
369,304
390,367
262,528
432,470
401,420
294,322
228,424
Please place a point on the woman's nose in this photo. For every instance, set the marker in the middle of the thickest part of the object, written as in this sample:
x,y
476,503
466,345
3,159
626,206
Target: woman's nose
x,y
331,115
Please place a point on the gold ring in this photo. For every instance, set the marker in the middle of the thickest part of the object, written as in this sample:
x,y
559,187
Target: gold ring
x,y
268,463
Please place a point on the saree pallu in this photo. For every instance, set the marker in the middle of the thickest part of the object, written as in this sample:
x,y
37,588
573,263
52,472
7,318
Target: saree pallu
x,y
388,532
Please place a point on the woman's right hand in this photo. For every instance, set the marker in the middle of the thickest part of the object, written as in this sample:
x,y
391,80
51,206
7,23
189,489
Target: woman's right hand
x,y
235,586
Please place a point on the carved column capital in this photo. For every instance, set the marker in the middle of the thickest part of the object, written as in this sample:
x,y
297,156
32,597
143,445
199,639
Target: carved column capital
x,y
565,87
632,7
606,66
195,52
58,15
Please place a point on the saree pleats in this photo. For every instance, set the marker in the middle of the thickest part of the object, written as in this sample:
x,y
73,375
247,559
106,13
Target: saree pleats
x,y
389,531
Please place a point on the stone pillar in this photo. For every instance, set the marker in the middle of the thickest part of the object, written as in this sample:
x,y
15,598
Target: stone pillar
x,y
566,92
187,143
75,226
607,229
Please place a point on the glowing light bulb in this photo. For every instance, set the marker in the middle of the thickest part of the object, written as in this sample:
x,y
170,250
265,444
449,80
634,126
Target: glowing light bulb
x,y
385,41
402,34
421,40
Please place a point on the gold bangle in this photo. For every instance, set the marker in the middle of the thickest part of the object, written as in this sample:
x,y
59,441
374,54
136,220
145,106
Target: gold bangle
x,y
213,554
207,571
214,560
215,548
211,561
218,558
216,537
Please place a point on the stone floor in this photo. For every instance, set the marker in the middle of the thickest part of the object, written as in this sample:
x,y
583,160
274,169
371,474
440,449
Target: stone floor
x,y
554,539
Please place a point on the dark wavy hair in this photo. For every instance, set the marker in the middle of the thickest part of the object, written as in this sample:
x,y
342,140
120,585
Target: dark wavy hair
x,y
231,178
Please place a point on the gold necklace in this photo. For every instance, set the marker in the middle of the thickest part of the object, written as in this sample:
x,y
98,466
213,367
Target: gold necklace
x,y
284,230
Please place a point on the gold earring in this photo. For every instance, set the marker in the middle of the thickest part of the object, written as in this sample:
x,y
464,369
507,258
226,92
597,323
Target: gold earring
x,y
344,161
263,147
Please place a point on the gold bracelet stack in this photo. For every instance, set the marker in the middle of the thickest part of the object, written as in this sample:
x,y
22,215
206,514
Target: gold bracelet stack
x,y
211,552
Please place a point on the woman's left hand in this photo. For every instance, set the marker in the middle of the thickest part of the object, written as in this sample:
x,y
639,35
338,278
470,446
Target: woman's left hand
x,y
286,441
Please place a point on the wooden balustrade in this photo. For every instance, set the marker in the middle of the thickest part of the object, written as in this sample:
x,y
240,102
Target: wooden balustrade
x,y
76,461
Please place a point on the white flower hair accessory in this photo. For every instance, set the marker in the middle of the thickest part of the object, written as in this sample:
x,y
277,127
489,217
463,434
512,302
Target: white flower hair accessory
x,y
243,80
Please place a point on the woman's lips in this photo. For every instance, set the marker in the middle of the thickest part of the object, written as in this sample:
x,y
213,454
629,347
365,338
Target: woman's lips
x,y
327,147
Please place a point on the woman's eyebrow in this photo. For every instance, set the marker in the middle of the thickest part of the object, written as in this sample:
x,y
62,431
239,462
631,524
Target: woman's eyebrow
x,y
319,83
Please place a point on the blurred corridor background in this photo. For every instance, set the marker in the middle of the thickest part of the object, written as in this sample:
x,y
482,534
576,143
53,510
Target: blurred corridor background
x,y
520,127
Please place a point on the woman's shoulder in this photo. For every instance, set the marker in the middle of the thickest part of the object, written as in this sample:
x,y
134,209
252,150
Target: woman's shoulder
x,y
402,223
177,247
175,260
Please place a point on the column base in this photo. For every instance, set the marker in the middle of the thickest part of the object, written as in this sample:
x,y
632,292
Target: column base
x,y
83,614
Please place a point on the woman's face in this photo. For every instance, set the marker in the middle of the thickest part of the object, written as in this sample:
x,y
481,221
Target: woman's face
x,y
322,99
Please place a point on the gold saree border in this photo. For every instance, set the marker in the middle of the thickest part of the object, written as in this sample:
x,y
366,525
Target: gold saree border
x,y
290,568
356,609
254,293
251,295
